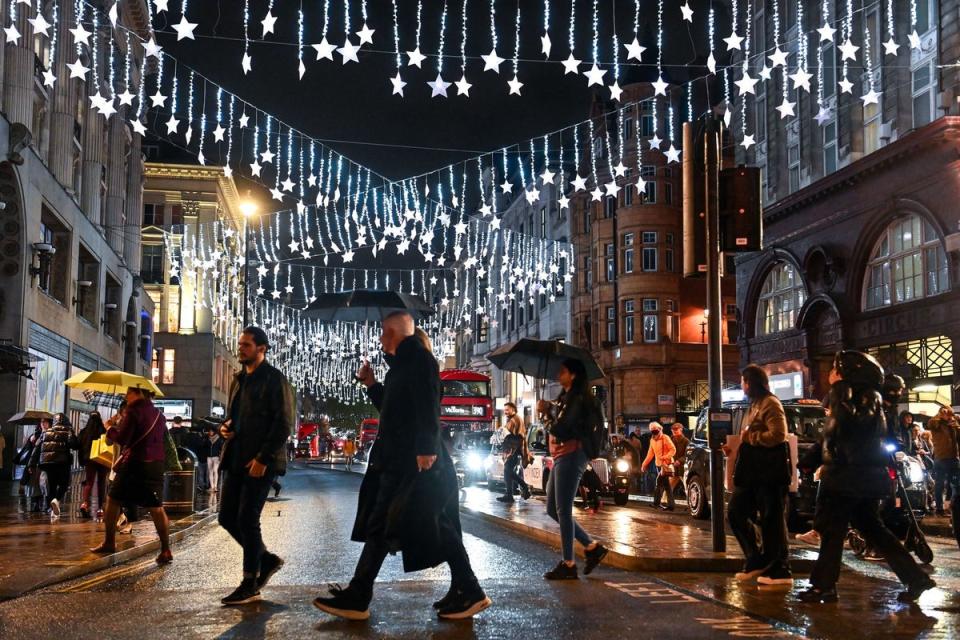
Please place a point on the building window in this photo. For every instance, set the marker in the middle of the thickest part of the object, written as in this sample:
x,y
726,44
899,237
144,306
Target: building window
x,y
87,297
830,147
646,125
628,253
829,70
761,105
628,195
651,320
670,314
923,80
586,220
151,263
611,325
733,328
649,258
782,295
54,267
587,272
871,127
609,207
521,309
648,172
628,321
176,214
667,193
668,260
649,237
627,130
164,366
924,12
611,267
907,263
793,164
152,215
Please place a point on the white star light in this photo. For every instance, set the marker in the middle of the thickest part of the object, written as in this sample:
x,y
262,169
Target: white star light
x,y
12,35
595,75
849,50
218,133
267,156
786,108
126,98
532,195
597,194
687,12
620,170
634,50
746,84
545,45
439,87
615,91
733,41
172,124
766,73
324,49
655,142
366,35
778,58
288,185
255,168
515,85
246,63
570,65
463,87
158,99
579,183
184,29
823,115
547,176
673,154
845,86
268,21
890,47
870,97
506,186
611,188
564,202
348,51
138,127
747,142
150,48
415,58
49,77
398,85
40,25
82,36
276,194
801,79
914,39
492,62
660,87
160,5
244,120
711,63
826,32
77,70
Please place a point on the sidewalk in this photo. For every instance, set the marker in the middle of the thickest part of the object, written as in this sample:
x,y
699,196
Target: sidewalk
x,y
35,552
637,540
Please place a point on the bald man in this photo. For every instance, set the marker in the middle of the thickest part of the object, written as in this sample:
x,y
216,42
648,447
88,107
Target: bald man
x,y
409,496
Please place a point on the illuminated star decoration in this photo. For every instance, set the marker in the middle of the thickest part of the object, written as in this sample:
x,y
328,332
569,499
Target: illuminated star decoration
x,y
415,58
747,141
348,51
801,79
218,133
151,48
506,186
77,70
40,25
439,87
246,63
82,36
172,124
660,87
398,85
366,35
515,85
826,32
615,90
914,39
673,154
733,41
185,29
890,47
778,58
268,21
126,98
845,86
595,75
157,99
870,97
545,45
823,115
324,49
492,61
49,77
570,65
138,127
786,108
463,87
687,12
849,50
12,35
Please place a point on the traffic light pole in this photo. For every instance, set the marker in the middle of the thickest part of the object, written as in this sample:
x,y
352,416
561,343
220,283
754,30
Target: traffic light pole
x,y
714,335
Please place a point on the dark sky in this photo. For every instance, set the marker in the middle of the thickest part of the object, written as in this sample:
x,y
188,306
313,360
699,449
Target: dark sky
x,y
354,103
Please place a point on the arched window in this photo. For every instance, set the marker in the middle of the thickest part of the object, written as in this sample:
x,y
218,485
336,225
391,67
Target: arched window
x,y
907,263
782,296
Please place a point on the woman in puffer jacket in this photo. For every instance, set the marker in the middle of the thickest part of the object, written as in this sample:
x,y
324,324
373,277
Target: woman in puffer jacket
x,y
854,479
53,455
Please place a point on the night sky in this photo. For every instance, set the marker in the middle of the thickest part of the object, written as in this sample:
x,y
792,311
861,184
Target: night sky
x,y
353,104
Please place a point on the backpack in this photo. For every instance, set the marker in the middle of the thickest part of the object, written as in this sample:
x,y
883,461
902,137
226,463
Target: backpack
x,y
595,431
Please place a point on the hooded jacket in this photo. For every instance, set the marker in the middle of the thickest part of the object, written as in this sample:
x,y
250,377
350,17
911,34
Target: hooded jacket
x,y
54,446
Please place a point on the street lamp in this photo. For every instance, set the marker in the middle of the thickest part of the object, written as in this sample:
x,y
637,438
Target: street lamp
x,y
703,325
249,209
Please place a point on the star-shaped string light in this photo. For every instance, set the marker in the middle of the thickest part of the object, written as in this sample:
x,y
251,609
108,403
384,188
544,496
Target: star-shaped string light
x,y
398,85
616,91
12,35
801,79
184,29
218,133
848,50
595,75
673,154
914,39
515,86
746,84
126,98
463,87
571,64
366,35
415,58
687,12
348,51
634,50
40,25
660,86
439,87
492,62
747,141
82,36
579,183
733,41
324,49
890,47
786,108
158,99
77,70
778,58
826,32
268,22
823,115
172,124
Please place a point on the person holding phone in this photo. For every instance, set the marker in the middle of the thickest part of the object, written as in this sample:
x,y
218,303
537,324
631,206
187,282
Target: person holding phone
x,y
260,419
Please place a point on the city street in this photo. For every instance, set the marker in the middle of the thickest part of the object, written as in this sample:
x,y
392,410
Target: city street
x,y
309,526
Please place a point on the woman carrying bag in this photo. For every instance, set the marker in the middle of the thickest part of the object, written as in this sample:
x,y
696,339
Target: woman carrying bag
x,y
94,472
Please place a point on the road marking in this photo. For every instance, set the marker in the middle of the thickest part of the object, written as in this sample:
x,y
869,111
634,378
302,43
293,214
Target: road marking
x,y
106,576
740,626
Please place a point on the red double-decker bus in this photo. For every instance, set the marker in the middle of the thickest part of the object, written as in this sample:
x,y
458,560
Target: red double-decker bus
x,y
465,402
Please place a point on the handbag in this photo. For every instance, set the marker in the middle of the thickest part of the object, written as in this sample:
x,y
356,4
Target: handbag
x,y
171,460
122,460
102,452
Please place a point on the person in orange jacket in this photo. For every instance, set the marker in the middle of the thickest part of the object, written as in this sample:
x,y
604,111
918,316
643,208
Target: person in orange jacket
x,y
661,451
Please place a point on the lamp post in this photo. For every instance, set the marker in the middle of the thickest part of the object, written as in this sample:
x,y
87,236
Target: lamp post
x,y
249,209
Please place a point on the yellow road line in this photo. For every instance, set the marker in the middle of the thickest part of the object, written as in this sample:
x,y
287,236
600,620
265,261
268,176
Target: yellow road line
x,y
106,577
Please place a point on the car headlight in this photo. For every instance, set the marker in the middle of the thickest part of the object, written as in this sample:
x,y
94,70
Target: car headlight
x,y
622,466
487,463
916,474
474,461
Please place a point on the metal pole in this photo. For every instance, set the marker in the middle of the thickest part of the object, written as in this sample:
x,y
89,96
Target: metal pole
x,y
246,272
714,335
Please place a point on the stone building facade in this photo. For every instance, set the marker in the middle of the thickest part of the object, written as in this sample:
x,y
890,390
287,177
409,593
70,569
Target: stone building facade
x,y
71,188
194,355
861,228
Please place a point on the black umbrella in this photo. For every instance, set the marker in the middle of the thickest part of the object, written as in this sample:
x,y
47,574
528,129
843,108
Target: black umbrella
x,y
542,358
364,305
30,417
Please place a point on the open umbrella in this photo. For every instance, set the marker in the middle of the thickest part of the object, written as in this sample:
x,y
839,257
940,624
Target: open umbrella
x,y
31,416
114,382
542,358
365,305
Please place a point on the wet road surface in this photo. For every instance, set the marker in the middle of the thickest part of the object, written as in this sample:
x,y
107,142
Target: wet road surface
x,y
309,526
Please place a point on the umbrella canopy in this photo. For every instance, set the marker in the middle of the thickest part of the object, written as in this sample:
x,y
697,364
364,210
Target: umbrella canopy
x,y
31,416
542,358
114,382
365,305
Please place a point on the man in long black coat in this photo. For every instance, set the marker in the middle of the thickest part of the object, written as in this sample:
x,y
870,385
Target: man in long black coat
x,y
409,497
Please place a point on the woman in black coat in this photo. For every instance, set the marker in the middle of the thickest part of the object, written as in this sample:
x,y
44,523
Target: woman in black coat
x,y
854,479
94,472
53,455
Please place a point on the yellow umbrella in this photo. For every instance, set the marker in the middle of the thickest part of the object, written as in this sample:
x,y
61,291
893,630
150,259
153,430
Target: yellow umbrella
x,y
115,382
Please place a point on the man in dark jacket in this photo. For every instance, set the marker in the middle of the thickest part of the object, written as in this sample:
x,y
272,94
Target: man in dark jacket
x,y
854,479
260,420
408,499
53,455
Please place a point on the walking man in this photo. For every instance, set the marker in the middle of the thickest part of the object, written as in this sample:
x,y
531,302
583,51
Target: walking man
x,y
514,452
661,451
409,496
681,442
260,421
349,451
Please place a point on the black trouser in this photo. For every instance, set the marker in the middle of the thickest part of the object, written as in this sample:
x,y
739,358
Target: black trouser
x,y
946,475
58,481
375,549
834,514
663,487
511,478
761,505
241,501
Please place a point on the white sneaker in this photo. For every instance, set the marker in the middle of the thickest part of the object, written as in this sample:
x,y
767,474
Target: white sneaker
x,y
810,537
54,508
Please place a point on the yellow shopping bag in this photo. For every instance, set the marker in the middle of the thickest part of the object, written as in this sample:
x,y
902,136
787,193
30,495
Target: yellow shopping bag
x,y
103,453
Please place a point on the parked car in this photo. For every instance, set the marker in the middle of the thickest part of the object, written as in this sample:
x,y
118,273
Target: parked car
x,y
805,419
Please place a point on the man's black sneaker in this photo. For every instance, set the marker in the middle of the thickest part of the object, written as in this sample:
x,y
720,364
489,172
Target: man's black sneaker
x,y
465,604
813,595
593,558
245,593
506,499
776,575
916,589
525,492
562,571
269,564
344,603
276,491
447,600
